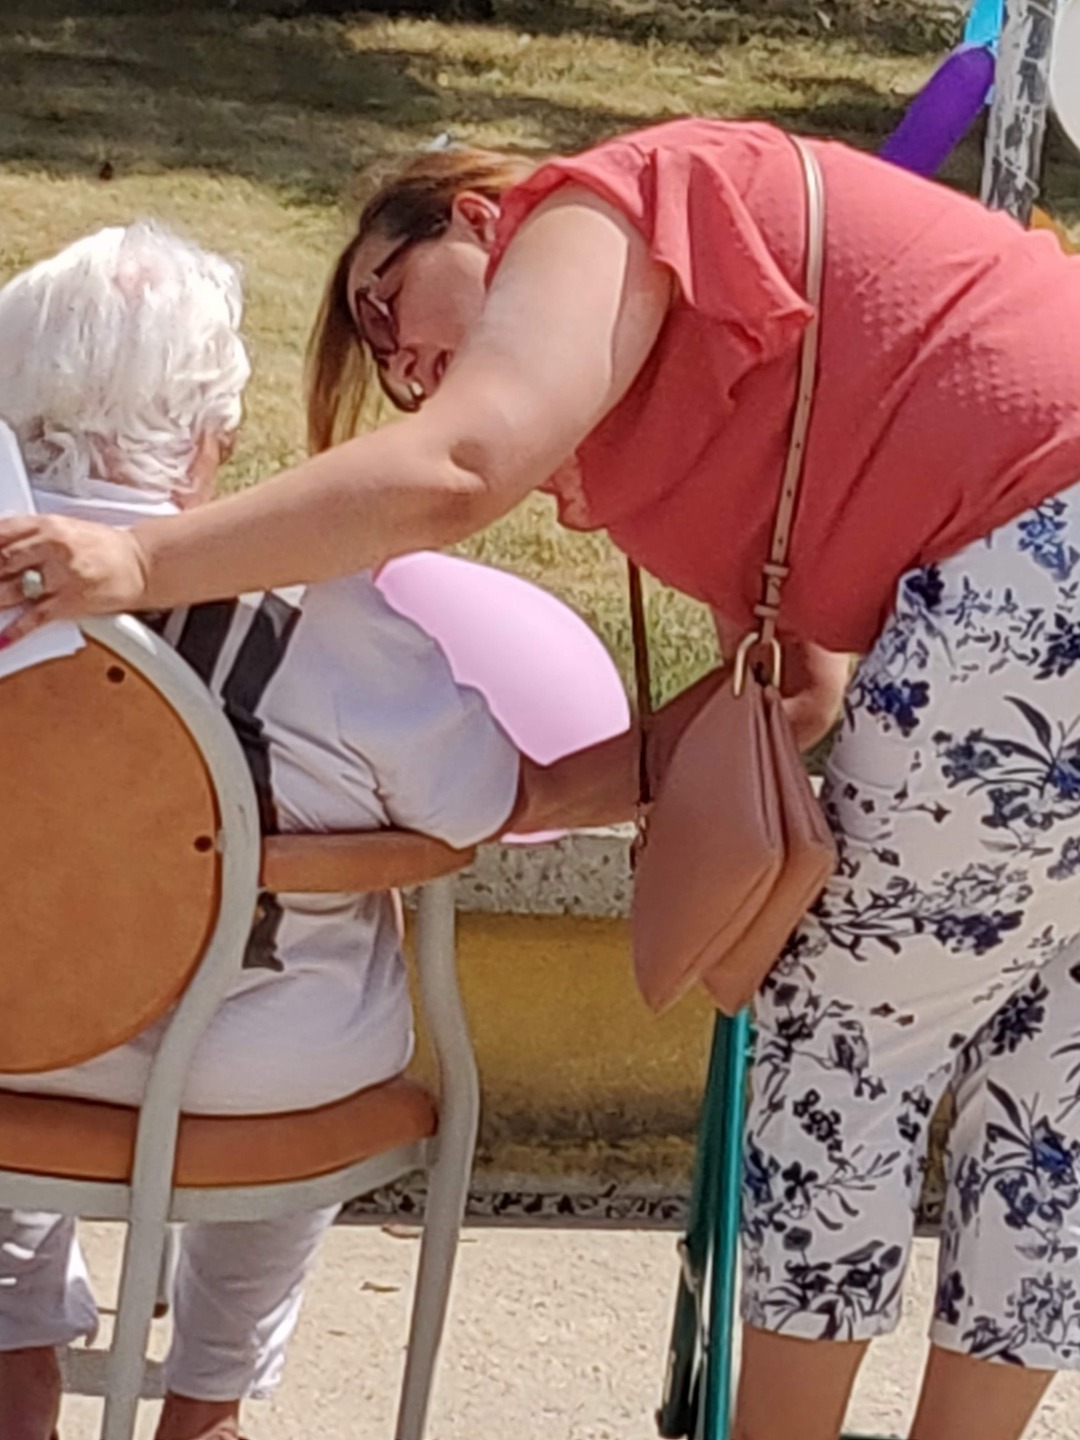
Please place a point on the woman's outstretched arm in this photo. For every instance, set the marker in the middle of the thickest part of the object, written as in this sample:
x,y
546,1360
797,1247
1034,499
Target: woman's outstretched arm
x,y
569,322
600,785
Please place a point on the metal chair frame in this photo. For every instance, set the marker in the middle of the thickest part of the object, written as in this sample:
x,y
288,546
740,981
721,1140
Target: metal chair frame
x,y
149,1202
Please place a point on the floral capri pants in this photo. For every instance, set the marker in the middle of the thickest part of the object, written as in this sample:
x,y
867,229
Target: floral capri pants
x,y
944,956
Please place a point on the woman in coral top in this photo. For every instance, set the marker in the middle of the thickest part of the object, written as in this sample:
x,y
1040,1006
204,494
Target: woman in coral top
x,y
623,328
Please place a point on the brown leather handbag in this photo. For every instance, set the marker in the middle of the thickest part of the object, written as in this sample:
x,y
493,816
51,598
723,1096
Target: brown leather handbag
x,y
734,849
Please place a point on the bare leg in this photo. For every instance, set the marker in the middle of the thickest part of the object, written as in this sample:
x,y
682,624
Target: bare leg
x,y
966,1399
790,1387
29,1394
183,1419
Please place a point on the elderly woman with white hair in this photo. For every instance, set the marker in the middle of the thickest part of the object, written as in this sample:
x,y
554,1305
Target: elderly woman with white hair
x,y
122,371
121,375
123,363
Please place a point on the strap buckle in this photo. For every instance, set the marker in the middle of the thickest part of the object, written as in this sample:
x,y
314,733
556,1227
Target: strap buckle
x,y
742,661
642,811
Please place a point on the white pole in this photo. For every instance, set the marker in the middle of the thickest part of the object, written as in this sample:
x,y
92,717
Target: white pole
x,y
1017,125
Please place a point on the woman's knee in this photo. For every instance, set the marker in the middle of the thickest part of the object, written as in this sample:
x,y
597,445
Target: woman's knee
x,y
964,1398
818,1377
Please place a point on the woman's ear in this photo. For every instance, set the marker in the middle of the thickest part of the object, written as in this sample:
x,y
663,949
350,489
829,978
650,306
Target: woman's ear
x,y
478,214
202,473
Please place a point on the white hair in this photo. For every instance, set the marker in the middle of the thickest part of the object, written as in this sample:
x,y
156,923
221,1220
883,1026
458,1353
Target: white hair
x,y
118,356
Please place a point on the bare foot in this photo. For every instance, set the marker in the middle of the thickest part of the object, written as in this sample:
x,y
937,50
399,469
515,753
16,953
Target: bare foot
x,y
29,1394
183,1419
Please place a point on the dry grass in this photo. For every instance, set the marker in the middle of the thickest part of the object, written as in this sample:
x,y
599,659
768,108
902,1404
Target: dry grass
x,y
245,126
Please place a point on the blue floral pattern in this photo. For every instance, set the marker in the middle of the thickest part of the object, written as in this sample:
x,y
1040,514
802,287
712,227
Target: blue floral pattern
x,y
1030,785
944,955
1046,535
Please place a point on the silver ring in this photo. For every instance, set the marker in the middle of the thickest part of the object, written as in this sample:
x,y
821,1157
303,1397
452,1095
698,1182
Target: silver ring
x,y
32,585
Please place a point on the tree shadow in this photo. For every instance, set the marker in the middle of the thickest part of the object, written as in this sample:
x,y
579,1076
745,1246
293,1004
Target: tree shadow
x,y
283,100
563,129
288,100
898,27
1061,176
842,109
286,103
838,108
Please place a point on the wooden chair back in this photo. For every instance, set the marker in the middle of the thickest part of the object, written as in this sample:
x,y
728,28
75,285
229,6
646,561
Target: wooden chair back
x,y
109,865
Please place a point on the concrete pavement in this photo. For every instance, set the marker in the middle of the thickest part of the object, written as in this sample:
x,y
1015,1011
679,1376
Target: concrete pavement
x,y
556,1335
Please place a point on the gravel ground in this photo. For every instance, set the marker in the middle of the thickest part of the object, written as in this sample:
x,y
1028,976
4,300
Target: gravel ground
x,y
555,1336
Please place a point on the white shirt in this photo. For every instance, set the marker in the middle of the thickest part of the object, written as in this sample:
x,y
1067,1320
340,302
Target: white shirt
x,y
350,720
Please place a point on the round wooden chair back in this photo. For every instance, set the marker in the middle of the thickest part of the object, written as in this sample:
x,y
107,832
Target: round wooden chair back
x,y
109,867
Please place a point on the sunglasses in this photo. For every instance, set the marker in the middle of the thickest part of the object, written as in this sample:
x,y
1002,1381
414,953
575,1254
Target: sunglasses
x,y
376,322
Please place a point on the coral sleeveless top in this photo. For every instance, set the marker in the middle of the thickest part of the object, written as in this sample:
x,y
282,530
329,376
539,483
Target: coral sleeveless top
x,y
949,393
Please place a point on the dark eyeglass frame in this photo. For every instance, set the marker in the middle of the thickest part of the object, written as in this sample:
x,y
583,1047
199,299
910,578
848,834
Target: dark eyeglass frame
x,y
376,323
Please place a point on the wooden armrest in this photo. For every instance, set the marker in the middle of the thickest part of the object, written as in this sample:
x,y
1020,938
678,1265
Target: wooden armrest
x,y
354,862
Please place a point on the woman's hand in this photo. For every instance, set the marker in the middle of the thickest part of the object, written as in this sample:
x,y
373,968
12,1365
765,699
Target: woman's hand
x,y
86,569
814,684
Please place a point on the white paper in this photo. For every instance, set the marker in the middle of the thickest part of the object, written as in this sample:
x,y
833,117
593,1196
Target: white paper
x,y
53,641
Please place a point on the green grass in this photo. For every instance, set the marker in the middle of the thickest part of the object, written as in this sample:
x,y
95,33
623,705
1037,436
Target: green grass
x,y
245,125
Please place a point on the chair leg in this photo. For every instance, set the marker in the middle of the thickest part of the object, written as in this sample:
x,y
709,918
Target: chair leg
x,y
143,1255
165,1276
448,1176
448,1188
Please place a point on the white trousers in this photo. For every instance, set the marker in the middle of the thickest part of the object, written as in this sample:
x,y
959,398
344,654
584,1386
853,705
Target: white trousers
x,y
236,1296
292,1043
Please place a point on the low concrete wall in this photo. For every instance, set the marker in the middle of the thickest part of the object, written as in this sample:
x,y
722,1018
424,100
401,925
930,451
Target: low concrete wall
x,y
591,1102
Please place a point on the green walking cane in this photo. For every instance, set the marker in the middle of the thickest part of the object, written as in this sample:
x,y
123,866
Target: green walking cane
x,y
697,1399
699,1377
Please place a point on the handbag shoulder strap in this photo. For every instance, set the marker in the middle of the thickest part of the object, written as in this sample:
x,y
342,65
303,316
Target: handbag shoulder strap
x,y
776,569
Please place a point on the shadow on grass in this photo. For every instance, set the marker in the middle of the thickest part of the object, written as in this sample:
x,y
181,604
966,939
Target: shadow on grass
x,y
1061,180
279,97
842,109
271,91
905,27
284,102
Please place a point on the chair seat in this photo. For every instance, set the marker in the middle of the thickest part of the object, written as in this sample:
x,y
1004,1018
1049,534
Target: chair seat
x,y
85,1140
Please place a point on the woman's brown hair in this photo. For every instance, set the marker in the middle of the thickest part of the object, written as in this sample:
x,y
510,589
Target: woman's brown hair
x,y
412,202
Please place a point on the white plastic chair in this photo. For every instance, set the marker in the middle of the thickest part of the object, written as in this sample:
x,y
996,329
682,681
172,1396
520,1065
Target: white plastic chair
x,y
130,866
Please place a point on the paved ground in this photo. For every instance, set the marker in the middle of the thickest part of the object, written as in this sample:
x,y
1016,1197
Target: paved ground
x,y
556,1336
